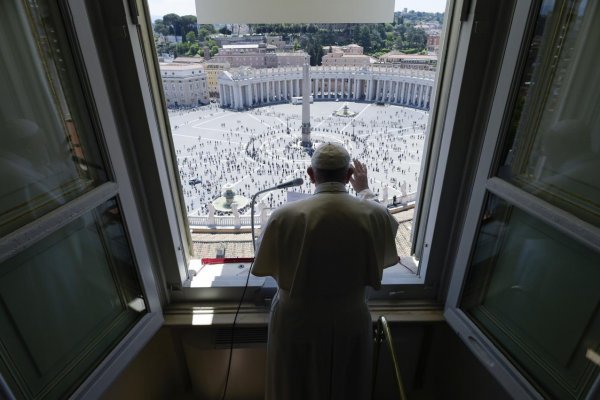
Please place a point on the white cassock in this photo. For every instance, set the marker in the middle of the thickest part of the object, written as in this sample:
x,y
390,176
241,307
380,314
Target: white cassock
x,y
323,252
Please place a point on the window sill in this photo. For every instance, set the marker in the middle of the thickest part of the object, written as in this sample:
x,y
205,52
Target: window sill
x,y
223,313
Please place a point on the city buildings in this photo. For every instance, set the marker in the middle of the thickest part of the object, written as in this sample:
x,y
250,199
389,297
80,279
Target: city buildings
x,y
258,55
345,56
184,84
247,87
417,61
212,69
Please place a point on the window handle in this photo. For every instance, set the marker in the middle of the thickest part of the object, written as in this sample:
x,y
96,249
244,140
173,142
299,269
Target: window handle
x,y
593,356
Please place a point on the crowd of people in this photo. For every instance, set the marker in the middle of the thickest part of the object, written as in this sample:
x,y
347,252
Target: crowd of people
x,y
259,148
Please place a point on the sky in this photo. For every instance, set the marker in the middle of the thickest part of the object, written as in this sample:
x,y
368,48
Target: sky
x,y
158,8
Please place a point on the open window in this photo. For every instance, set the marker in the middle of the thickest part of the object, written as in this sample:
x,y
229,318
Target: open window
x,y
392,107
524,293
78,296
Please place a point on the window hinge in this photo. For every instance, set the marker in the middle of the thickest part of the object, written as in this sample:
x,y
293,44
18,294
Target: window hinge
x,y
464,12
133,12
174,287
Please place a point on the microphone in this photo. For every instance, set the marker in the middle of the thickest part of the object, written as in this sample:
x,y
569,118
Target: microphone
x,y
284,185
294,182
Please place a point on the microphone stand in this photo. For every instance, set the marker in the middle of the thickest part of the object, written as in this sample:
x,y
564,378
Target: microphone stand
x,y
252,202
285,185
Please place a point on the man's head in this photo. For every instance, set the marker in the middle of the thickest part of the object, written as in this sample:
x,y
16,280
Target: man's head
x,y
330,163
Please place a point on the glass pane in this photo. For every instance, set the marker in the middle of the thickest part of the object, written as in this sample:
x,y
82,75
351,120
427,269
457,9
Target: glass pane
x,y
65,303
553,148
536,293
48,155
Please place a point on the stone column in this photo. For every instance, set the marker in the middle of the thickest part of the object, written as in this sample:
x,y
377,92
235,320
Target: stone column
x,y
336,87
238,94
306,106
403,90
249,95
429,92
279,91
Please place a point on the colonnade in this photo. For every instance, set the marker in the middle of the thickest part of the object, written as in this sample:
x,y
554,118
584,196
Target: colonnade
x,y
250,88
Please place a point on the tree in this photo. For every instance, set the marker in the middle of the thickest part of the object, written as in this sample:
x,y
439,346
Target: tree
x,y
173,22
181,49
314,48
194,49
160,27
225,31
416,38
188,24
210,28
203,34
364,38
191,37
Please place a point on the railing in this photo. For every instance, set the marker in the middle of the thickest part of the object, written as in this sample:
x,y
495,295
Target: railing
x,y
220,220
229,221
383,333
241,73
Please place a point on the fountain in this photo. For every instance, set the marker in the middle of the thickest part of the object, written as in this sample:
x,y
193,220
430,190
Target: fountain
x,y
229,200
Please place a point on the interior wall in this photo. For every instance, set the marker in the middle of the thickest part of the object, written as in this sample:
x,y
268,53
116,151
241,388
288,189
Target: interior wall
x,y
453,372
157,373
188,363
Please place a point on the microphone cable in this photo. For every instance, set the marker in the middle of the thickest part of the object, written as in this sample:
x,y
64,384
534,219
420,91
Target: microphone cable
x,y
295,182
235,317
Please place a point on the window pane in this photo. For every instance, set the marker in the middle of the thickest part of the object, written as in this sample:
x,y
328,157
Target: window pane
x,y
65,303
553,149
48,154
535,292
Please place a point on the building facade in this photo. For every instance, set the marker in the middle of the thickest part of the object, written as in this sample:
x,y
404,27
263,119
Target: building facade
x,y
258,55
213,69
338,59
185,85
410,60
255,55
292,58
345,56
243,88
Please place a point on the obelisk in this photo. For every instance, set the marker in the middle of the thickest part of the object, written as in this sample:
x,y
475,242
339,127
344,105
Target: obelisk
x,y
305,107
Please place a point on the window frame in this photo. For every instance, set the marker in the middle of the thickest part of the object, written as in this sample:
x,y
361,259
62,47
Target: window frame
x,y
119,186
486,184
413,287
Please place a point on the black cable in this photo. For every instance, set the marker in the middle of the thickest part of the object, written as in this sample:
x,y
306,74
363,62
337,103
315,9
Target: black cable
x,y
296,182
239,306
237,311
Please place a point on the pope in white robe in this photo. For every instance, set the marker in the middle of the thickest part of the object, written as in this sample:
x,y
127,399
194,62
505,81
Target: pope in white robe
x,y
323,252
